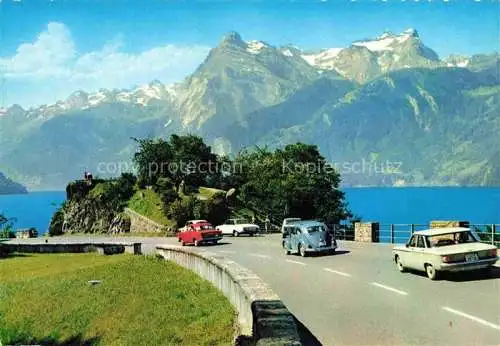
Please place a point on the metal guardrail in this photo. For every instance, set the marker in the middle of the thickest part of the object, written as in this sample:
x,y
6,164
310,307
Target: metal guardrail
x,y
400,233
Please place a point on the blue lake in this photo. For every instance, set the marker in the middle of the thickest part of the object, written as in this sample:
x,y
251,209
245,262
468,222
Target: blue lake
x,y
383,205
32,210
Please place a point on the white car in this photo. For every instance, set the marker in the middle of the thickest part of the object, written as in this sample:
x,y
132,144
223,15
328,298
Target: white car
x,y
289,221
449,249
236,227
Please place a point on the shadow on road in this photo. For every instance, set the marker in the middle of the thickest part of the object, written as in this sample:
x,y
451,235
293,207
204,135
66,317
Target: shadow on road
x,y
220,243
306,337
336,253
477,275
494,273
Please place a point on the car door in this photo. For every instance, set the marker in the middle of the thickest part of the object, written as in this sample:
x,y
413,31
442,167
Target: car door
x,y
295,238
419,253
407,255
226,228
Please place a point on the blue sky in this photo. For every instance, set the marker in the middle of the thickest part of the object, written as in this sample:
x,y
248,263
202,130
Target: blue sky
x,y
49,48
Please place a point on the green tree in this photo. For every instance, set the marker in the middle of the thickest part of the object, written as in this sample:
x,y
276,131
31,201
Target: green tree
x,y
168,195
183,210
181,159
215,209
151,158
194,161
6,227
296,181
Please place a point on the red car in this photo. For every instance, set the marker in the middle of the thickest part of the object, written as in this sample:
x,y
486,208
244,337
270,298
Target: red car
x,y
199,233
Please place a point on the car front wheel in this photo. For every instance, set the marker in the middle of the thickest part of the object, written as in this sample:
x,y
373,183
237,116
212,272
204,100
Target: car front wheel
x,y
302,251
401,268
431,272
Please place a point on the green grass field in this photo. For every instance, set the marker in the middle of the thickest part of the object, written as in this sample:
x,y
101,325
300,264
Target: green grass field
x,y
46,299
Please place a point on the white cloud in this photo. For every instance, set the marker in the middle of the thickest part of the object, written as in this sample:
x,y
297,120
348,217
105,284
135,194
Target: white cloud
x,y
47,56
52,60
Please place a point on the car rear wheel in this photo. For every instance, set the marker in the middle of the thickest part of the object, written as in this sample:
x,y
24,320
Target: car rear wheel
x,y
302,251
401,268
431,272
235,233
286,250
196,242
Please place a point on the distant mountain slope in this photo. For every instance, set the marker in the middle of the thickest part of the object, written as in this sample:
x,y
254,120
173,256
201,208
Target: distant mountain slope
x,y
9,187
96,139
296,110
390,97
238,78
442,125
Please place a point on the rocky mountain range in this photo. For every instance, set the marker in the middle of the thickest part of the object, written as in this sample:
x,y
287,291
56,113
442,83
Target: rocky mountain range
x,y
386,101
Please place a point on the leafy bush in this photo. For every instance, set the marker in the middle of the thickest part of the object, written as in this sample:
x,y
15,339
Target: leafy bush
x,y
6,227
7,232
56,224
183,210
216,209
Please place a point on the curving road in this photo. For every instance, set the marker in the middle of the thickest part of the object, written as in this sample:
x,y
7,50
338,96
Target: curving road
x,y
358,297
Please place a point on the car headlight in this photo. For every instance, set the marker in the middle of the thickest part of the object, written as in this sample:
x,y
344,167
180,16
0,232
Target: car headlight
x,y
446,259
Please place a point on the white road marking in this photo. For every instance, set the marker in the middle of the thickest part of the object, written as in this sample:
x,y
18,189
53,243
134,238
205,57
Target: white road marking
x,y
296,262
473,318
389,288
227,251
337,272
259,255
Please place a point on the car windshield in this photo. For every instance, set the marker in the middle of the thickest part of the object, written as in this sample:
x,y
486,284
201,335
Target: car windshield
x,y
205,227
240,221
450,239
289,221
314,229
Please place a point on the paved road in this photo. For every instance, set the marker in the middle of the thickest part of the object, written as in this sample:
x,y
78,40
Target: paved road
x,y
357,297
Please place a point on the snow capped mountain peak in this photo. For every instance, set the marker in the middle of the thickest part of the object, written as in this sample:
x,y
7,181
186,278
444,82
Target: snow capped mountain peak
x,y
141,95
411,32
324,59
255,47
387,41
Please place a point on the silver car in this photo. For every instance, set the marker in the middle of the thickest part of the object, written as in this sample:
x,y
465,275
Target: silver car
x,y
305,237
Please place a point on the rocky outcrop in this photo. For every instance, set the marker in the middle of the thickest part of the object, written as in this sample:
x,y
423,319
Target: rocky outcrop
x,y
91,208
89,216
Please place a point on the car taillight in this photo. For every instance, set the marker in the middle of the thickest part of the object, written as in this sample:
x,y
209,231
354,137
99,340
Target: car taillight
x,y
446,259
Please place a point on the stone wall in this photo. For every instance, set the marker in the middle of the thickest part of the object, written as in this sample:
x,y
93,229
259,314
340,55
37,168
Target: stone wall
x,y
261,314
367,232
443,224
141,224
102,248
